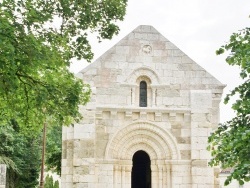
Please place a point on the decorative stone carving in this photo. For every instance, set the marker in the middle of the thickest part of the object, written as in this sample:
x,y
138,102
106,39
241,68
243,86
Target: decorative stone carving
x,y
147,49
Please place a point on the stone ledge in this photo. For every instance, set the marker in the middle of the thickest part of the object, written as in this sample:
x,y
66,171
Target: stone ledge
x,y
143,109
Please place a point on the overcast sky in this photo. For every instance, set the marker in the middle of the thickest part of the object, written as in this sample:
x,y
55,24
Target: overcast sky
x,y
197,27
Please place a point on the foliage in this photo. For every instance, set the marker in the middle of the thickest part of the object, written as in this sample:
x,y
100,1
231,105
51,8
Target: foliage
x,y
230,143
54,149
49,182
38,41
22,154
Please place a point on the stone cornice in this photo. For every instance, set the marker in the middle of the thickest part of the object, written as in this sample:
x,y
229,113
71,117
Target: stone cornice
x,y
143,109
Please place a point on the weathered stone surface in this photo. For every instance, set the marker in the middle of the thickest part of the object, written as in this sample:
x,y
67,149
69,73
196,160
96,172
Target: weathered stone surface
x,y
182,105
3,173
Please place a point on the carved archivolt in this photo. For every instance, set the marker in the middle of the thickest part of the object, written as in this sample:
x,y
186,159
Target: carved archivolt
x,y
156,142
143,72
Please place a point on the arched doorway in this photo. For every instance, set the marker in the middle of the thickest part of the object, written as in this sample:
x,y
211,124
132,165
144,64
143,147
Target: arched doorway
x,y
141,172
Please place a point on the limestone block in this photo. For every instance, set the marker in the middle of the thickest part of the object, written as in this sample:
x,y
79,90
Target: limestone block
x,y
167,73
201,101
185,101
198,146
178,53
92,71
105,179
202,132
207,80
184,146
199,140
176,132
186,185
188,72
63,162
157,53
87,178
178,74
199,163
178,101
205,125
153,37
183,140
204,154
187,180
195,154
168,101
203,171
122,50
185,133
64,136
69,178
67,185
140,36
100,148
143,115
203,180
86,131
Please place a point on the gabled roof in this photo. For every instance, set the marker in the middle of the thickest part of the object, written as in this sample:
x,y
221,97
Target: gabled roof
x,y
146,44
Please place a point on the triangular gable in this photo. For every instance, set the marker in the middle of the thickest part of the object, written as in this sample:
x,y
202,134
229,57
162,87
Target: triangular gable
x,y
146,47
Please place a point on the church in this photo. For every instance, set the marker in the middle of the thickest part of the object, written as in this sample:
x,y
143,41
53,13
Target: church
x,y
151,111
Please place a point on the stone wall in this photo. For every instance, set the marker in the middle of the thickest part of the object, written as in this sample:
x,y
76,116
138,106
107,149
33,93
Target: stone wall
x,y
3,171
183,108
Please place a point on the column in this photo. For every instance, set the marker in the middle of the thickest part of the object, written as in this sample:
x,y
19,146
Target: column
x,y
153,97
123,169
168,176
128,170
133,96
154,176
164,176
160,177
117,176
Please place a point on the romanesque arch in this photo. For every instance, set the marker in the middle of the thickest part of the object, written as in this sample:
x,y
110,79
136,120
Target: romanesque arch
x,y
155,141
143,71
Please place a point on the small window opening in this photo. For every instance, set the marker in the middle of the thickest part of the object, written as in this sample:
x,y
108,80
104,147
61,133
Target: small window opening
x,y
143,94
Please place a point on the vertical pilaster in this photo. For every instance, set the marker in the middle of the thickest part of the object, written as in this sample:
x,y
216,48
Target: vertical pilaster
x,y
168,176
128,170
154,176
164,176
123,168
153,97
201,105
133,96
160,177
115,174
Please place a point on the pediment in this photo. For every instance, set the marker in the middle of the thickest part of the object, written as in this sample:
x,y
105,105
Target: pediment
x,y
146,52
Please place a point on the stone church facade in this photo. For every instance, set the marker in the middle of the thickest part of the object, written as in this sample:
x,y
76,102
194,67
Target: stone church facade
x,y
152,109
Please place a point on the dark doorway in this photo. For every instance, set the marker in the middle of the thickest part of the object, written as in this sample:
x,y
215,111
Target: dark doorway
x,y
141,172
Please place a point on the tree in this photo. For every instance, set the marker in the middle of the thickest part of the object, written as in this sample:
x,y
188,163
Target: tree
x,y
230,143
54,149
49,182
22,153
38,41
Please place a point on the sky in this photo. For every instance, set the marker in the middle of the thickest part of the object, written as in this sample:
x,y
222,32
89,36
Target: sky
x,y
197,27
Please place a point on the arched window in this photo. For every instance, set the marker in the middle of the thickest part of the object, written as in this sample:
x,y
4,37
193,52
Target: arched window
x,y
143,94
